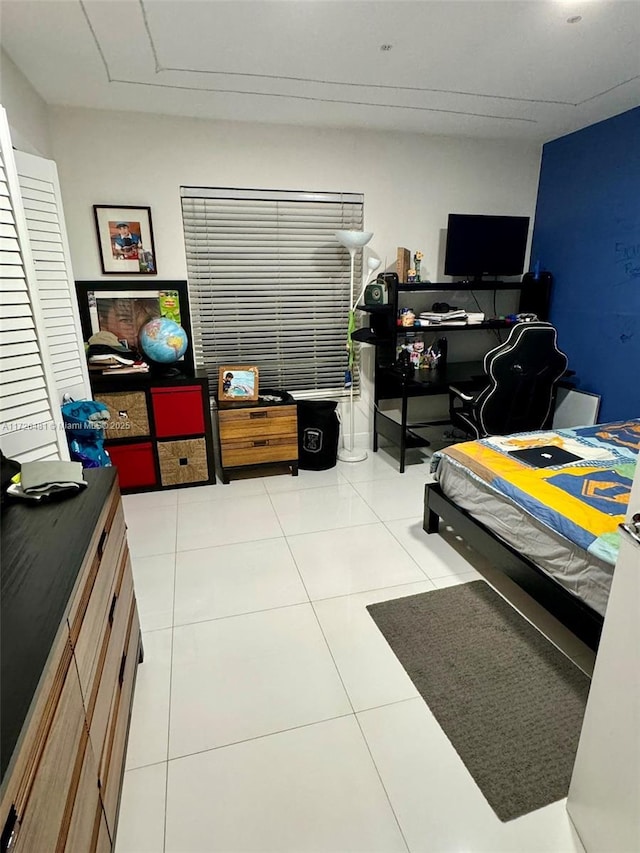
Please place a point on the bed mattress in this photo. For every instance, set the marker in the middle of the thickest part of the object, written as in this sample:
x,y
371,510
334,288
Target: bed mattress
x,y
562,517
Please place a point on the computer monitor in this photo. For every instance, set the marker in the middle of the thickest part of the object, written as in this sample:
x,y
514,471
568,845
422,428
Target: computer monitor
x,y
485,245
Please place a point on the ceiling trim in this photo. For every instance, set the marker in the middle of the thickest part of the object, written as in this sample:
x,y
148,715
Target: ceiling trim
x,y
396,88
96,42
322,100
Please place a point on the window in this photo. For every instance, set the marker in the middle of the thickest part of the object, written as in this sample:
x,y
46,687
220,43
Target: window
x,y
269,284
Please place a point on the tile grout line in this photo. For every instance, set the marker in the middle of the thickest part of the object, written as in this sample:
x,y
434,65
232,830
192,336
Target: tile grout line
x,y
173,606
259,737
274,733
355,715
406,550
291,604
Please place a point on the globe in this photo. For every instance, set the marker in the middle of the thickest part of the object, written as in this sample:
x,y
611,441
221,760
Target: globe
x,y
163,340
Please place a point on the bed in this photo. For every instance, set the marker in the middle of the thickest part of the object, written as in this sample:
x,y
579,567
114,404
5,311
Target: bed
x,y
551,525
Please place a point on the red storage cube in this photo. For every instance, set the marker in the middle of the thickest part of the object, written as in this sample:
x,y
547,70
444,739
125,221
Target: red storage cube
x,y
135,464
178,410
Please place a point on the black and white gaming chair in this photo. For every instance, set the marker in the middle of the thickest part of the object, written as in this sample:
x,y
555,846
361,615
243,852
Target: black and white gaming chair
x,y
519,390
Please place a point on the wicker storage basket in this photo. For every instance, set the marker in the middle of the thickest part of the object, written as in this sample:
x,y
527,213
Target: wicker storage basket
x,y
128,414
183,461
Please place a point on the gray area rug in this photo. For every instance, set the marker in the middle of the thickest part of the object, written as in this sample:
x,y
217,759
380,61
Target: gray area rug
x,y
510,703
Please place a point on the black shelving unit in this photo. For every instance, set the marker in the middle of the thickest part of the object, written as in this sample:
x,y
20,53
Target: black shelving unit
x,y
390,382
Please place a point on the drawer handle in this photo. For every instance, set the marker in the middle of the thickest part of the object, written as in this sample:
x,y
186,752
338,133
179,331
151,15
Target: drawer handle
x,y
254,415
8,833
260,443
123,663
102,543
113,607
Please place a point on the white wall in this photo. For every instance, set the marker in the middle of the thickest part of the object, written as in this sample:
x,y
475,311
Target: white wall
x,y
411,182
27,112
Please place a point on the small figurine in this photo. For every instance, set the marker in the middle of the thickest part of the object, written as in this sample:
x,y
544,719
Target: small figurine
x,y
417,258
417,354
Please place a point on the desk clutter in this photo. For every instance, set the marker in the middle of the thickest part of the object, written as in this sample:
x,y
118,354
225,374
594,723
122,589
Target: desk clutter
x,y
416,356
105,354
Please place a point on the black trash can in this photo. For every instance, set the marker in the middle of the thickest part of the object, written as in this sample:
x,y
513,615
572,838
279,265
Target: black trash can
x,y
318,433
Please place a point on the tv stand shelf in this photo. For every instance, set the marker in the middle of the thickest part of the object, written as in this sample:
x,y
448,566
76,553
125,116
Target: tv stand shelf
x,y
426,286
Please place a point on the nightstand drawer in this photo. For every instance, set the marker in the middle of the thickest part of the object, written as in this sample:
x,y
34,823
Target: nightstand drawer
x,y
262,422
258,450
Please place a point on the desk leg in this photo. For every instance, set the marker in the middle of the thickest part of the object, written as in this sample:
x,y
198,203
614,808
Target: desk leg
x,y
375,427
403,432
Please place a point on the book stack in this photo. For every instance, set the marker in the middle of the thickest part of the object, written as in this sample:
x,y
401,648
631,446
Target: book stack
x,y
40,480
450,318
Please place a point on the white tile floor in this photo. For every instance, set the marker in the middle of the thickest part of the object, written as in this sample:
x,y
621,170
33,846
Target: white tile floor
x,y
270,714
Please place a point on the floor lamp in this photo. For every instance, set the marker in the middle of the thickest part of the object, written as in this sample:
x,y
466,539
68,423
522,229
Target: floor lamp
x,y
352,241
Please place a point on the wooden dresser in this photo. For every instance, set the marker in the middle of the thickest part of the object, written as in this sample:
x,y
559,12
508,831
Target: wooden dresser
x,y
70,649
257,433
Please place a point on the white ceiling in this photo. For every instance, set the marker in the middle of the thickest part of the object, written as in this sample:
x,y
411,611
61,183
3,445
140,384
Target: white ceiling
x,y
500,69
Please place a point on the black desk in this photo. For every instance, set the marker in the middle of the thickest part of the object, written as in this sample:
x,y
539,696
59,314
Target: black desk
x,y
391,383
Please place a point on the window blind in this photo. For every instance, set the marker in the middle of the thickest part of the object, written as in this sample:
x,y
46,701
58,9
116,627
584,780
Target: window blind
x,y
269,284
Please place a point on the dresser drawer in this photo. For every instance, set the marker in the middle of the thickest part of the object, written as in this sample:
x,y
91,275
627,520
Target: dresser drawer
x,y
91,564
106,676
88,628
33,742
83,804
257,451
117,734
258,423
49,801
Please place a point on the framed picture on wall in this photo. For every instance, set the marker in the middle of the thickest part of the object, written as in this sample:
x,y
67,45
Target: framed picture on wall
x,y
125,239
238,382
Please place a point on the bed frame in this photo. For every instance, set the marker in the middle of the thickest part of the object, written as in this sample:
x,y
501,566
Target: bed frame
x,y
577,616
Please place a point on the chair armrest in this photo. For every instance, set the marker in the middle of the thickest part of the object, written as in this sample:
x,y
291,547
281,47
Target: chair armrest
x,y
468,395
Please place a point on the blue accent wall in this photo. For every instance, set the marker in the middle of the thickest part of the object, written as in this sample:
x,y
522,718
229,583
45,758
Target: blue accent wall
x,y
587,234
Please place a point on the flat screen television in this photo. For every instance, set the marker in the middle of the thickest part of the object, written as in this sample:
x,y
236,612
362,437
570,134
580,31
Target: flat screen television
x,y
485,245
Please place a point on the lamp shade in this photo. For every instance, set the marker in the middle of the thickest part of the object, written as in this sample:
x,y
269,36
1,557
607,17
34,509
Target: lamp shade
x,y
373,263
354,239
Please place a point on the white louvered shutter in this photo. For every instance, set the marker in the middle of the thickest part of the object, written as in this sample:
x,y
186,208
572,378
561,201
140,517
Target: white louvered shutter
x,y
42,203
30,420
269,283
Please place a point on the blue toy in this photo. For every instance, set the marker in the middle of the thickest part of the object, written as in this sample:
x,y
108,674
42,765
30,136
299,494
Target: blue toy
x,y
85,422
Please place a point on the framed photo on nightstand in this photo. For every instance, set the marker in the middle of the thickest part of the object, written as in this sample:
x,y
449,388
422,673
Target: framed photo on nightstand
x,y
238,383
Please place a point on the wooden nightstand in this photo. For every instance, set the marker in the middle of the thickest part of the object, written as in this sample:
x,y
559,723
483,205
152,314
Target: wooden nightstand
x,y
257,434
